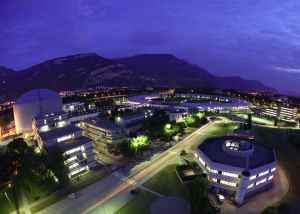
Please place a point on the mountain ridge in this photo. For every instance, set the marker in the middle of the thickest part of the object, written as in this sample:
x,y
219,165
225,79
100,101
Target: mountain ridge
x,y
83,71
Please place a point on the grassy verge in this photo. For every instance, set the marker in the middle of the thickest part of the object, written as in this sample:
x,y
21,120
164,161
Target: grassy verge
x,y
222,130
166,182
140,205
288,159
14,195
61,196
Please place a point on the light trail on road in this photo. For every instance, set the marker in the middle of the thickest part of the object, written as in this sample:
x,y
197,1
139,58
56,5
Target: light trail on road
x,y
149,168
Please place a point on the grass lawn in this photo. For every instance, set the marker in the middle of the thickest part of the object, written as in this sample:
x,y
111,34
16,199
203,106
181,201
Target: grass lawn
x,y
223,130
288,159
140,205
256,119
14,196
166,182
61,196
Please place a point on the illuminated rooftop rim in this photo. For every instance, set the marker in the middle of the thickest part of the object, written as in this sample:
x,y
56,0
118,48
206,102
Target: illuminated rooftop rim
x,y
141,99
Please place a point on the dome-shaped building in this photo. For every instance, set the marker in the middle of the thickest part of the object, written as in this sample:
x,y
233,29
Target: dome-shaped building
x,y
33,103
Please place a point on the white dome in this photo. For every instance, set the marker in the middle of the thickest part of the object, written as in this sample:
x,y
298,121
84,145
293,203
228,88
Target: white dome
x,y
36,95
34,103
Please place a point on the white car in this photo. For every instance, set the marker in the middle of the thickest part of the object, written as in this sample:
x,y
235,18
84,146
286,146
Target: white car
x,y
72,195
220,198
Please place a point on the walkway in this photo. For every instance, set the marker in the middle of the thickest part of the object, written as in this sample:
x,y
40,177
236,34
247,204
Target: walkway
x,y
149,190
26,207
24,201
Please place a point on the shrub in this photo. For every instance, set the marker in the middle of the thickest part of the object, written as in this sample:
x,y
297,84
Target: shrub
x,y
282,207
187,162
268,210
183,152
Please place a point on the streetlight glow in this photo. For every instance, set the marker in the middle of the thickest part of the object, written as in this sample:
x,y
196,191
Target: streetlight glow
x,y
168,126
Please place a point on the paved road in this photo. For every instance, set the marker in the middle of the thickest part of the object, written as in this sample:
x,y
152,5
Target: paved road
x,y
111,192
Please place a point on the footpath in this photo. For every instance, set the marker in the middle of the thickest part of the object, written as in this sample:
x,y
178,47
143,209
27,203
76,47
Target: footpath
x,y
26,207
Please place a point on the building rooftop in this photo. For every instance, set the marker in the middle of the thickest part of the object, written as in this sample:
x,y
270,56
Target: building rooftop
x,y
262,155
36,95
243,132
56,132
104,125
50,115
74,143
131,114
133,124
91,111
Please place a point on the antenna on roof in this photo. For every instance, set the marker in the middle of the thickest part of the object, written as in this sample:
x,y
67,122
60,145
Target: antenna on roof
x,y
40,101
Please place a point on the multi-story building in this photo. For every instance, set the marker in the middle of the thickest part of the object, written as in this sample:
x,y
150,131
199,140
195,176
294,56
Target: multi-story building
x,y
174,114
54,129
72,106
282,111
236,166
105,134
131,122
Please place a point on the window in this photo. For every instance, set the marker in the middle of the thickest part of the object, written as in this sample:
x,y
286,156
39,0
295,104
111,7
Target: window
x,y
196,155
79,170
64,138
73,150
212,179
72,158
271,177
230,174
272,170
228,183
252,177
211,170
251,185
262,181
263,173
201,161
74,165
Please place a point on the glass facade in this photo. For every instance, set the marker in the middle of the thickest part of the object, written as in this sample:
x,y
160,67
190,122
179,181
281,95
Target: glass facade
x,y
251,185
263,173
252,177
262,181
230,174
228,183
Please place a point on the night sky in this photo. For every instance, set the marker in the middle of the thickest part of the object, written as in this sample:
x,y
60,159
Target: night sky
x,y
252,39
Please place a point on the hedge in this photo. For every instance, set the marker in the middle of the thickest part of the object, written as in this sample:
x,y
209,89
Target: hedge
x,y
181,168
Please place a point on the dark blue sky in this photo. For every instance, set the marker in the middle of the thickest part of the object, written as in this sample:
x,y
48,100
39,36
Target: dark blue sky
x,y
252,39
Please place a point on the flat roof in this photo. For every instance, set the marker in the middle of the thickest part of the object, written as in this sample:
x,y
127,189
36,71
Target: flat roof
x,y
59,132
243,132
130,114
103,124
95,110
50,115
74,143
262,155
73,103
141,99
134,124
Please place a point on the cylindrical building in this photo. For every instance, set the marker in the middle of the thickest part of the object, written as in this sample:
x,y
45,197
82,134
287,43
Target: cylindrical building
x,y
32,104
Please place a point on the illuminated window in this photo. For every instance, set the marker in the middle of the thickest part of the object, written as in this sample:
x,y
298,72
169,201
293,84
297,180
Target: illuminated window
x,y
272,170
263,173
72,158
73,150
271,177
252,177
262,181
212,179
230,174
211,170
251,185
196,155
79,170
64,138
201,161
228,183
74,165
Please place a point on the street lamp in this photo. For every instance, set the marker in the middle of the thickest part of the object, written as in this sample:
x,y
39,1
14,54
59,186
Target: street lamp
x,y
9,201
168,126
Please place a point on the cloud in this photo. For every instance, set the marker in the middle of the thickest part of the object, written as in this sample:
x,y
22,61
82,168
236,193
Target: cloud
x,y
291,70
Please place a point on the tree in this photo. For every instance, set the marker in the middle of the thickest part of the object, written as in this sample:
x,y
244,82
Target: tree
x,y
142,143
128,111
103,115
190,121
198,197
127,149
80,108
275,123
86,106
249,122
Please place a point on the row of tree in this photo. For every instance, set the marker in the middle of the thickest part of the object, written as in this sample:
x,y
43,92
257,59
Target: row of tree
x,y
135,147
38,172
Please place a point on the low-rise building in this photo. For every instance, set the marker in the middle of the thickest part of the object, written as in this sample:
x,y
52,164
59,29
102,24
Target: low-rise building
x,y
105,134
282,111
174,114
236,166
131,122
242,133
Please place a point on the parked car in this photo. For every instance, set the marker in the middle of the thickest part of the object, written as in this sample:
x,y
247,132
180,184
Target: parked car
x,y
116,151
220,198
134,191
72,195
